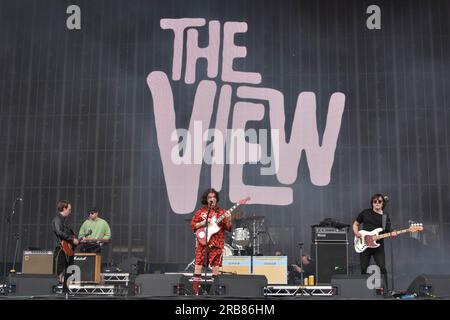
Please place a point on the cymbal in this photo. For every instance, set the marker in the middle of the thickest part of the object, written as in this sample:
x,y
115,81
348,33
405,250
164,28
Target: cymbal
x,y
253,218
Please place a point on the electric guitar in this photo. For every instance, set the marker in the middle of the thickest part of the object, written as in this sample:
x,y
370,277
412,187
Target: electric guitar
x,y
369,238
213,225
69,248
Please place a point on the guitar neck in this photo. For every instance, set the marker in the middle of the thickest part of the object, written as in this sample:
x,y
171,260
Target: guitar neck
x,y
389,234
231,210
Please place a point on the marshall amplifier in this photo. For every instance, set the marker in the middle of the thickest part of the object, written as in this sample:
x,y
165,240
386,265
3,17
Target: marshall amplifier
x,y
329,234
90,264
37,262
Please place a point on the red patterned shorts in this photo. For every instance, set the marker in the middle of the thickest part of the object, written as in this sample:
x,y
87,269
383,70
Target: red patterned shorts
x,y
214,256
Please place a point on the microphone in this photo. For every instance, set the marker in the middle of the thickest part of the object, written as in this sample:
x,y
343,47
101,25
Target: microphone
x,y
17,201
13,209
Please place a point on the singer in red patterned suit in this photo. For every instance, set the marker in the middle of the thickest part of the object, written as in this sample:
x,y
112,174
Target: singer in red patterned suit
x,y
210,199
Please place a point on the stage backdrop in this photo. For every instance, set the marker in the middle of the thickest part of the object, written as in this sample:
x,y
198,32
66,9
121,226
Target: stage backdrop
x,y
137,107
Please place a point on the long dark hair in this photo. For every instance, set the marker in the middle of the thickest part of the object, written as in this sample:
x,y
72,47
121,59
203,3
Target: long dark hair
x,y
376,196
204,198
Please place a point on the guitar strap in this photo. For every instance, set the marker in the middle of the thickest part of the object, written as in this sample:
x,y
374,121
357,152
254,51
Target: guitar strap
x,y
216,211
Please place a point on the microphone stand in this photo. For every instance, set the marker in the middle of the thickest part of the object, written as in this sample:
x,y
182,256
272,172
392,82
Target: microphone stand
x,y
392,262
17,236
392,267
5,280
206,247
392,257
255,251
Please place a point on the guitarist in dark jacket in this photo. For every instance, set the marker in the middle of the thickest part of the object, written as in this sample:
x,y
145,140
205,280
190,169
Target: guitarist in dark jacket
x,y
63,233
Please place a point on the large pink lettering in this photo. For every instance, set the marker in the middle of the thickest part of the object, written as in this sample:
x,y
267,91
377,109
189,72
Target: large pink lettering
x,y
184,151
181,180
304,134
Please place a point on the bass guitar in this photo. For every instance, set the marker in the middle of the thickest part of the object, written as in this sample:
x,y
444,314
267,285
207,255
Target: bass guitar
x,y
369,238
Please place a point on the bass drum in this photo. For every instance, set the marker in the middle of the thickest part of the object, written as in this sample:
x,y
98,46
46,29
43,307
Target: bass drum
x,y
227,250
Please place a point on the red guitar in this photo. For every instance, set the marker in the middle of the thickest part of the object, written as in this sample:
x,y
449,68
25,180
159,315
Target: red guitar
x,y
213,225
69,248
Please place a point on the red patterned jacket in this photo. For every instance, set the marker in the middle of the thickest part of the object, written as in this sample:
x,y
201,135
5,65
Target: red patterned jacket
x,y
218,239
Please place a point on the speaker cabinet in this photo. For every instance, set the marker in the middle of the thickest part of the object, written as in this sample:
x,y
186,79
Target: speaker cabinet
x,y
37,262
90,265
429,285
239,285
162,285
330,258
32,284
355,287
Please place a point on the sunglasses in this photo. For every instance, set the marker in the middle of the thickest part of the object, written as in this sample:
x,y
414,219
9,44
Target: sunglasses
x,y
377,201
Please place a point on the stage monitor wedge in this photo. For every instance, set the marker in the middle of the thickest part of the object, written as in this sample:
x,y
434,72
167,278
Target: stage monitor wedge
x,y
354,287
33,284
431,285
162,285
239,285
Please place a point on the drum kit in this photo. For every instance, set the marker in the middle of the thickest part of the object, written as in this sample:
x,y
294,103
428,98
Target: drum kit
x,y
246,237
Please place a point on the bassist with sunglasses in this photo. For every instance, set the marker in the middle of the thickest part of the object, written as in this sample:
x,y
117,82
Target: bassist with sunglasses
x,y
371,219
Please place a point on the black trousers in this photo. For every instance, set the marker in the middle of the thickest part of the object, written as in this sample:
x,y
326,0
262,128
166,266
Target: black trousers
x,y
61,263
380,260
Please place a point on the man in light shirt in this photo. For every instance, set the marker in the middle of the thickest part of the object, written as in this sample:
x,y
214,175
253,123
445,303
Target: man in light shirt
x,y
94,228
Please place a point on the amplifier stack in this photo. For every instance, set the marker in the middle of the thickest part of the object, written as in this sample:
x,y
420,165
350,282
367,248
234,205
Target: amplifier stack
x,y
329,250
